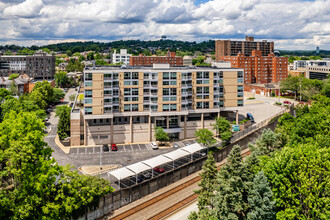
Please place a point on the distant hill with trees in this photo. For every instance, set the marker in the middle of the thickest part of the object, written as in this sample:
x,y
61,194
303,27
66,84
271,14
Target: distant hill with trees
x,y
138,46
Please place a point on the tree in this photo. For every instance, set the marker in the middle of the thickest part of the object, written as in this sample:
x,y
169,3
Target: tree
x,y
13,76
205,137
42,94
161,135
266,143
63,127
299,177
69,53
207,183
291,83
34,186
230,200
58,94
97,56
90,56
13,89
72,97
222,126
61,79
260,199
3,94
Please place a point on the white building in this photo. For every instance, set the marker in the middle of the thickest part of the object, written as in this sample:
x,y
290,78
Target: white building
x,y
123,56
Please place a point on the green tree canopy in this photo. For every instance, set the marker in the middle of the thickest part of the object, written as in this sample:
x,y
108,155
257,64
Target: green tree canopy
x,y
262,206
300,179
161,135
61,79
63,127
205,137
13,76
222,126
230,200
34,186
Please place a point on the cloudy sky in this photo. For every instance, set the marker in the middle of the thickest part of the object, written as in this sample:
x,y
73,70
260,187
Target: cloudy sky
x,y
292,24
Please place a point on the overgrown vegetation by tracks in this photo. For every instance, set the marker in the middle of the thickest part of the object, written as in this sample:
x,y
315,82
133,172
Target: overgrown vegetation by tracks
x,y
285,177
32,184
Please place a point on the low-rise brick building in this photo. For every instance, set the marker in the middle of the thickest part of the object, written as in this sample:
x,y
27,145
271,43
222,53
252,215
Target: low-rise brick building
x,y
143,60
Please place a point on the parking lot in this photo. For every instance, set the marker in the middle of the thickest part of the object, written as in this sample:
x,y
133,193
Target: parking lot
x,y
127,148
121,148
183,143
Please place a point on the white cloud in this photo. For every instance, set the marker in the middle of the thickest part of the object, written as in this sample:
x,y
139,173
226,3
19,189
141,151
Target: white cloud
x,y
26,9
296,24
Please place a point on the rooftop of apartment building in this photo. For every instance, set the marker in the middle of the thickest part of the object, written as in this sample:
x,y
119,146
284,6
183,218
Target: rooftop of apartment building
x,y
220,65
37,53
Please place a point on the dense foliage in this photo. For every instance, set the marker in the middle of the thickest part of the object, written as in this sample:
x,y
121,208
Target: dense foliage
x,y
161,135
285,177
205,137
222,126
63,127
32,184
309,87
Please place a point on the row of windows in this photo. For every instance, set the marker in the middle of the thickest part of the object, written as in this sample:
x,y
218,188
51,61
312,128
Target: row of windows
x,y
166,107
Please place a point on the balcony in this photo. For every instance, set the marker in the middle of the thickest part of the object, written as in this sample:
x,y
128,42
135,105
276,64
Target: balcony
x,y
184,93
107,78
107,103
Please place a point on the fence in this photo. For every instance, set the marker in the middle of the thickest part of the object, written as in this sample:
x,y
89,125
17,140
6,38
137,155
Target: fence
x,y
122,197
257,126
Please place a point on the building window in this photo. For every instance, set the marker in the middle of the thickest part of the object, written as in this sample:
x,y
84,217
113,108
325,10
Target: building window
x,y
88,76
88,84
88,101
240,88
88,110
88,93
240,102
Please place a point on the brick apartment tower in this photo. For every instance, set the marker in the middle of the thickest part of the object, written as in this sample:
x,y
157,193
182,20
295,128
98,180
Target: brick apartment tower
x,y
256,58
142,60
232,48
258,68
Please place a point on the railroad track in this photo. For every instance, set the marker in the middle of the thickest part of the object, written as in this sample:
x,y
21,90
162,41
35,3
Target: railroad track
x,y
165,195
156,199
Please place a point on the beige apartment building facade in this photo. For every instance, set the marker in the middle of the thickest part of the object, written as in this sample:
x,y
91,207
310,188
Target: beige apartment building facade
x,y
125,105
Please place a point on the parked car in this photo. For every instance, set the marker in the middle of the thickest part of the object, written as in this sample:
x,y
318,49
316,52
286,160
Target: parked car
x,y
159,170
140,178
287,102
154,145
48,109
114,147
105,148
250,116
175,145
46,119
146,175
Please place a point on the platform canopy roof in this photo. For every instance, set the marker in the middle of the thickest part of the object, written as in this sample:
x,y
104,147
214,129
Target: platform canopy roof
x,y
176,154
156,161
138,167
121,173
192,148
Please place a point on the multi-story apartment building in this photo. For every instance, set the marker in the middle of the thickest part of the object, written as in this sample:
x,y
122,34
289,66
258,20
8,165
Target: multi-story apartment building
x,y
258,68
232,48
123,57
150,60
40,65
124,105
